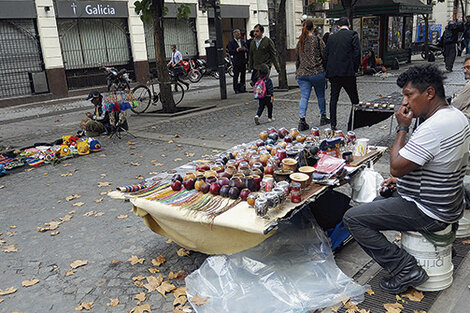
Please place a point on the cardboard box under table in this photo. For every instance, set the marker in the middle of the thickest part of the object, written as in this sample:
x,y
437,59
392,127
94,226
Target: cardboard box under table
x,y
233,231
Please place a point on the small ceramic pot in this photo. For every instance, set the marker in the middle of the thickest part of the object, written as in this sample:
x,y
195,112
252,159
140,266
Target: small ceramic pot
x,y
211,179
245,170
282,132
272,130
188,176
288,138
244,164
210,173
231,170
282,175
257,182
249,183
202,166
253,159
236,182
259,143
264,157
294,132
238,175
218,168
281,154
289,164
300,138
198,183
263,135
224,174
258,165
299,178
309,171
223,181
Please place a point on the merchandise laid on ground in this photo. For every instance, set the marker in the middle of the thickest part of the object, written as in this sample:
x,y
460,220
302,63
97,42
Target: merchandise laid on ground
x,y
48,153
235,200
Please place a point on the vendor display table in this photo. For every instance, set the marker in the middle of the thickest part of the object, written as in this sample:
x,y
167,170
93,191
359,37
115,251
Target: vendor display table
x,y
232,231
373,112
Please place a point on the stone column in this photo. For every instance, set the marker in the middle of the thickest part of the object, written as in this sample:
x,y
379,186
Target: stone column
x,y
50,46
138,45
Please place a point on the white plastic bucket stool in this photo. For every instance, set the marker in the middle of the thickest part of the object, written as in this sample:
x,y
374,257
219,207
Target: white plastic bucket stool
x,y
464,225
437,261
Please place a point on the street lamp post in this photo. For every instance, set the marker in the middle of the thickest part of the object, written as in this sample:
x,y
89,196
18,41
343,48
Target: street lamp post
x,y
220,49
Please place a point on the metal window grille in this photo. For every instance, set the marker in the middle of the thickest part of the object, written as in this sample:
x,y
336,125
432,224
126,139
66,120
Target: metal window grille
x,y
178,32
20,54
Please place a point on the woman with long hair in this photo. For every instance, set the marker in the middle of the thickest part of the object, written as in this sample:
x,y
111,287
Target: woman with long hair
x,y
310,73
369,63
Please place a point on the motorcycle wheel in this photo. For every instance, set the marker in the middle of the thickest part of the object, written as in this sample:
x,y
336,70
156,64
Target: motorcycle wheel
x,y
194,76
215,74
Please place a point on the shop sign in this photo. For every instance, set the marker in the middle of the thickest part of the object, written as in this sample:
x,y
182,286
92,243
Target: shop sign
x,y
17,9
91,9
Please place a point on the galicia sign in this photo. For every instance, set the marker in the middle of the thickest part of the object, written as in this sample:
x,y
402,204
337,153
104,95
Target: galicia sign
x,y
91,9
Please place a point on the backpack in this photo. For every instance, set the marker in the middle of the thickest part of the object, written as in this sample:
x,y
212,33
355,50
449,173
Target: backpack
x,y
259,89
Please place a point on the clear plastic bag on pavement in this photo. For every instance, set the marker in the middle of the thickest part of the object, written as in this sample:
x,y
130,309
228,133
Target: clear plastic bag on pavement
x,y
292,271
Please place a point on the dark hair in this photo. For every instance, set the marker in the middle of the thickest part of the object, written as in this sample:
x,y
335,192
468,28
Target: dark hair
x,y
422,77
371,59
263,71
260,27
308,26
325,37
173,46
252,33
344,21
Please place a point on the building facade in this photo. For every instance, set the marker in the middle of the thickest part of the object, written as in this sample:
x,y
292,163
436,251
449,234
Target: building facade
x,y
54,46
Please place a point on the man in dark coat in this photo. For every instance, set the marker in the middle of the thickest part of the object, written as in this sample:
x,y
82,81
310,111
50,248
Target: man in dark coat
x,y
343,56
449,41
237,50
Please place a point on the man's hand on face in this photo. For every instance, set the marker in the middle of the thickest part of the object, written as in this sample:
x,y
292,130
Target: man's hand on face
x,y
88,114
404,116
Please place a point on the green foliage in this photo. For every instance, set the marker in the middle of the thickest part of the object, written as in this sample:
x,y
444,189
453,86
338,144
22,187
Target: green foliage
x,y
144,9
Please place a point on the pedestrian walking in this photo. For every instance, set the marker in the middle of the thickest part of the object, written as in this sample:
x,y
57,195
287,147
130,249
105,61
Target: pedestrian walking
x,y
343,56
262,51
248,42
175,61
264,92
466,35
310,73
237,50
449,41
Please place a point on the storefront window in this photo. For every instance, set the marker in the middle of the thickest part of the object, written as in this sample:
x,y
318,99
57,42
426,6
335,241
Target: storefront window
x,y
370,34
395,35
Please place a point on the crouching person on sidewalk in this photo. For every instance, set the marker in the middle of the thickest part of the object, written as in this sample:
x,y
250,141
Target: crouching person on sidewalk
x,y
98,122
429,170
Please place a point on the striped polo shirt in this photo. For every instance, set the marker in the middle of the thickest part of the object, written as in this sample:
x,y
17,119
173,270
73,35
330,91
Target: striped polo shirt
x,y
440,146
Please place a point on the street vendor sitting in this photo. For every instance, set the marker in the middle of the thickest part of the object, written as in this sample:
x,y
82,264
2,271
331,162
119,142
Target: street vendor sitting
x,y
98,122
429,169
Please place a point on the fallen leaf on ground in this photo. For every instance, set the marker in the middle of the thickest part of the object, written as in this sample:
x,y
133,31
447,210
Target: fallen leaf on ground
x,y
99,214
113,301
122,216
158,164
55,233
49,226
198,300
165,287
70,272
154,270
67,164
178,159
159,260
78,263
2,186
363,311
466,242
335,308
140,296
140,177
350,306
10,248
1,300
153,173
99,200
103,193
141,309
180,275
180,300
13,226
370,292
28,283
177,310
170,141
66,218
90,213
104,184
182,252
102,155
393,307
135,163
7,291
67,174
85,306
115,261
414,311
398,298
413,295
134,260
383,127
10,233
190,154
169,241
153,282
70,198
180,291
140,277
163,155
130,143
79,204
216,151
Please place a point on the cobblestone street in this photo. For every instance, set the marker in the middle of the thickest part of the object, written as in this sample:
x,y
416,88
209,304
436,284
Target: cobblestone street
x,y
105,232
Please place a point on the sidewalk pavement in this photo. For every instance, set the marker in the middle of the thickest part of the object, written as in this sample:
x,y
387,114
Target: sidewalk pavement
x,y
32,198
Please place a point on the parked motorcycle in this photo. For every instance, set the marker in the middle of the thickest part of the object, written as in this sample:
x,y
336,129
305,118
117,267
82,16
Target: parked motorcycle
x,y
201,65
188,71
228,65
436,50
116,80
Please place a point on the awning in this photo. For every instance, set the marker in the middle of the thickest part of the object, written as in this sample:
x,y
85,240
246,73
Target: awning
x,y
382,7
17,9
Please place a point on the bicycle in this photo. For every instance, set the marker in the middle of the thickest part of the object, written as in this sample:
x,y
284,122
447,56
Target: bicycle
x,y
144,96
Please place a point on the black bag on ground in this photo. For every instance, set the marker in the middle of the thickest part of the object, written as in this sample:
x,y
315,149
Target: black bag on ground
x,y
431,57
329,208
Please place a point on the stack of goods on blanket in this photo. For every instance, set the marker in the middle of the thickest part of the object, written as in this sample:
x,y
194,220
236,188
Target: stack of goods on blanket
x,y
274,170
67,147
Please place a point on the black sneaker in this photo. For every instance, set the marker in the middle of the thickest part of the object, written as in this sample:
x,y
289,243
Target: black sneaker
x,y
324,120
411,275
303,125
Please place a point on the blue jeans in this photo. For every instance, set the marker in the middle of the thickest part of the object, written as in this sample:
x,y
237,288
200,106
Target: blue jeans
x,y
305,83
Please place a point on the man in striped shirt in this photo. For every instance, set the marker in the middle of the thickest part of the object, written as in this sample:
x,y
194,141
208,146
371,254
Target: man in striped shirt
x,y
428,170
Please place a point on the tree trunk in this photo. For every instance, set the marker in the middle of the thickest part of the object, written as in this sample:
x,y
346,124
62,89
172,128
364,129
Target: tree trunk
x,y
281,44
166,96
